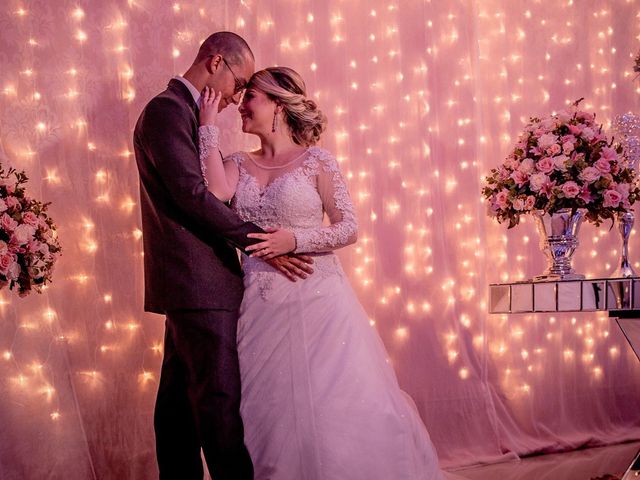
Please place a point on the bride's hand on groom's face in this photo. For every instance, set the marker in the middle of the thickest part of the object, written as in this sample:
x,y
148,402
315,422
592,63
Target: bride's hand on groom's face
x,y
275,243
209,106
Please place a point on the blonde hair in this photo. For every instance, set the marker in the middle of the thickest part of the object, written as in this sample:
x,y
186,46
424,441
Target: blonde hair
x,y
285,86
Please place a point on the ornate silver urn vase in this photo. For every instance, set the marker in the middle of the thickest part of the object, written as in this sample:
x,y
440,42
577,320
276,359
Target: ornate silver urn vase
x,y
558,241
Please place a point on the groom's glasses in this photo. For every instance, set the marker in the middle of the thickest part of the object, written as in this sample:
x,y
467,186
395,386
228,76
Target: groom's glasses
x,y
239,84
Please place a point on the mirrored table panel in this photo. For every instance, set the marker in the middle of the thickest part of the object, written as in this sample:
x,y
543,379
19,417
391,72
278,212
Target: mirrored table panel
x,y
589,295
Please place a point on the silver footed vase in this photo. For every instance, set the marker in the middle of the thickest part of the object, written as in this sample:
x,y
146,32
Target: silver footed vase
x,y
558,241
625,225
626,128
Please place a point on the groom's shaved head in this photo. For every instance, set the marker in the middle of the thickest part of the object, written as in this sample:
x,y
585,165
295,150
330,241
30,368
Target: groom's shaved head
x,y
231,46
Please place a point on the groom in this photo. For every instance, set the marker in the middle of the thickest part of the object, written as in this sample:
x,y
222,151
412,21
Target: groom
x,y
192,273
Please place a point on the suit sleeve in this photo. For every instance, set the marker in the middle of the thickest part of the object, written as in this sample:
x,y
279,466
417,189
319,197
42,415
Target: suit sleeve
x,y
167,138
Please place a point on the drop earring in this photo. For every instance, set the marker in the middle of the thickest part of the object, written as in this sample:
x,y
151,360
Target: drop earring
x,y
274,125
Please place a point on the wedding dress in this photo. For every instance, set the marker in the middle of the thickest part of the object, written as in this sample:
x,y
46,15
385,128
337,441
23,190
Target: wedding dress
x,y
319,398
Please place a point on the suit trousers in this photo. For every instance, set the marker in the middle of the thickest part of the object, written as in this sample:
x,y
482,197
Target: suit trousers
x,y
198,402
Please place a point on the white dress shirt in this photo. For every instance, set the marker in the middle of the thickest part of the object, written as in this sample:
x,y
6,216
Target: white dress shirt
x,y
194,91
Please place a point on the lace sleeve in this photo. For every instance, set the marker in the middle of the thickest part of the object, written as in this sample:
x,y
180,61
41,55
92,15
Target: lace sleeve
x,y
337,204
208,140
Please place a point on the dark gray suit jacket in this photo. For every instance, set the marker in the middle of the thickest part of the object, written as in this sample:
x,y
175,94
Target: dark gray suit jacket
x,y
188,260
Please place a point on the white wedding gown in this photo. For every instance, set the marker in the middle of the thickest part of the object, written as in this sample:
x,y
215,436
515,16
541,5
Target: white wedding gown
x,y
319,398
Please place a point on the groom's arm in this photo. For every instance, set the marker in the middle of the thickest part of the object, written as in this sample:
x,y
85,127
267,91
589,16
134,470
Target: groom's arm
x,y
168,142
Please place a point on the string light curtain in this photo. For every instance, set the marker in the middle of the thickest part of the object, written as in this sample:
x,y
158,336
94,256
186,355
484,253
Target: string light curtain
x,y
423,97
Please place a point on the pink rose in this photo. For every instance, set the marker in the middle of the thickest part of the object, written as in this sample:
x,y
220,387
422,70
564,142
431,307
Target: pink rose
x,y
567,147
554,149
33,245
622,189
609,154
30,218
603,165
545,165
530,202
586,117
503,173
518,204
570,189
590,174
560,163
42,223
577,157
511,163
522,142
3,248
520,178
501,198
537,180
3,206
12,202
10,186
7,223
575,129
611,198
6,261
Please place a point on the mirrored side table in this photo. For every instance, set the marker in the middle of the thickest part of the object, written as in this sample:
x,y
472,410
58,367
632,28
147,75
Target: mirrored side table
x,y
620,297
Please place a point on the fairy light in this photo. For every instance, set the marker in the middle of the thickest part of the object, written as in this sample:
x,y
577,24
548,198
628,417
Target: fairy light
x,y
78,14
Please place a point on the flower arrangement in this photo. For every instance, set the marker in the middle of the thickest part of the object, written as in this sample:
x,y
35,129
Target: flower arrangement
x,y
29,245
562,161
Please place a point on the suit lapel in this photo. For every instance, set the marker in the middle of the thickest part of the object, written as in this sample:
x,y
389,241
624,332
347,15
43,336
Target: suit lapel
x,y
181,90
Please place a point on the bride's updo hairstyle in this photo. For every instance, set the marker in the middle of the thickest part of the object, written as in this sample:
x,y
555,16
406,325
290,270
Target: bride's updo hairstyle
x,y
284,86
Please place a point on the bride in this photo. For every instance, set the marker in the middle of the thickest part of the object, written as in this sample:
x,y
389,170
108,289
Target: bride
x,y
319,398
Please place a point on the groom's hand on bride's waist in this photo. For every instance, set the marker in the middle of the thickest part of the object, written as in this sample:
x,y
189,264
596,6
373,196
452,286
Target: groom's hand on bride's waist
x,y
292,266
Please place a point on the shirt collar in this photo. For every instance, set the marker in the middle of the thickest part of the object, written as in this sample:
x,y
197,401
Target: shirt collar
x,y
194,92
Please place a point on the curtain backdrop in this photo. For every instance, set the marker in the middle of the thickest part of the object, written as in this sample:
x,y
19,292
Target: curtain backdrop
x,y
423,99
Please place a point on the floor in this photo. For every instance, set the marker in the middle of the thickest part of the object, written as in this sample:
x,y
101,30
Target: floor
x,y
605,463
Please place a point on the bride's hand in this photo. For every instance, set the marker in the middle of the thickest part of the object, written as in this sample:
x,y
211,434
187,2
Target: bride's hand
x,y
292,266
209,107
276,242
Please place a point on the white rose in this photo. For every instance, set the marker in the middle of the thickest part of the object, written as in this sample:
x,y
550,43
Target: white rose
x,y
526,166
588,133
14,271
564,116
23,233
546,140
537,180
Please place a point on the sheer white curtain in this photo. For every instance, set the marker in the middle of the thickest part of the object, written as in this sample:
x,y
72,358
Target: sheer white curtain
x,y
423,98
